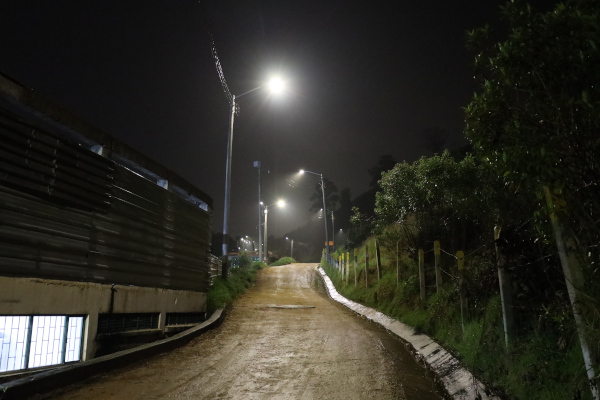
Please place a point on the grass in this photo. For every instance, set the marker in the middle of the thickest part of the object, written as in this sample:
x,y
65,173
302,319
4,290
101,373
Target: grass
x,y
283,261
224,291
532,367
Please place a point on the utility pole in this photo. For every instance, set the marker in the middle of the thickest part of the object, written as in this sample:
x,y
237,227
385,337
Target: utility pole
x,y
260,250
333,232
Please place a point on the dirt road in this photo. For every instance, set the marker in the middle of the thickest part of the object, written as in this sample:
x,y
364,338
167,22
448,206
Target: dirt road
x,y
265,352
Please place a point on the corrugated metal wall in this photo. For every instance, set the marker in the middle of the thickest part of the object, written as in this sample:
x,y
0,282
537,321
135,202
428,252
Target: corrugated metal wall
x,y
68,213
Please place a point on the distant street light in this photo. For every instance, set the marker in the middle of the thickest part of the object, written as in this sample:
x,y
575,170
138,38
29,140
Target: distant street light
x,y
275,86
279,204
324,206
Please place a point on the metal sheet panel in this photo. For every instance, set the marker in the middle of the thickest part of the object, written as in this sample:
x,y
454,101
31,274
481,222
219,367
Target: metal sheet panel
x,y
68,213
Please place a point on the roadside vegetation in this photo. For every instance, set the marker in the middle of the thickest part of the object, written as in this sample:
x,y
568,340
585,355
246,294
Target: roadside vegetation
x,y
521,206
283,261
224,291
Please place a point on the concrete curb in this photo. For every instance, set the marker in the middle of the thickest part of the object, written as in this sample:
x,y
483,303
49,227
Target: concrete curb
x,y
459,383
61,376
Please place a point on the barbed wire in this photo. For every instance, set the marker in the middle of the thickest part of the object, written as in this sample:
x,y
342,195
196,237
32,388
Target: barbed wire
x,y
475,251
220,70
444,251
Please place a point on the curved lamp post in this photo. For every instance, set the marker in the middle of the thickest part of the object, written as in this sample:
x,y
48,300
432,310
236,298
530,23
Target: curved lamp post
x,y
302,171
276,85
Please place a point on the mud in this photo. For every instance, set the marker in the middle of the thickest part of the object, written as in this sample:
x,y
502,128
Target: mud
x,y
314,350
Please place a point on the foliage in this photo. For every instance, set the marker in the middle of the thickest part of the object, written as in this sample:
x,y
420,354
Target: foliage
x,y
283,261
536,121
448,199
244,260
224,291
537,115
360,229
542,362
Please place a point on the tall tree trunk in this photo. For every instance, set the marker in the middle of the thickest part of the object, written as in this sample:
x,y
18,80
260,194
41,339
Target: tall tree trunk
x,y
571,255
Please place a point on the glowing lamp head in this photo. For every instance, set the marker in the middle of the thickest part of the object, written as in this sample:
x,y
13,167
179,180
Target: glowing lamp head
x,y
301,171
276,85
281,203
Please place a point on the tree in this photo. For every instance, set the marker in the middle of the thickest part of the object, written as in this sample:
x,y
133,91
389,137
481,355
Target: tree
x,y
536,119
447,199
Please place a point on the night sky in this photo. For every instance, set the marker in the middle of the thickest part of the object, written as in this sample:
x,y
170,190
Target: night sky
x,y
364,80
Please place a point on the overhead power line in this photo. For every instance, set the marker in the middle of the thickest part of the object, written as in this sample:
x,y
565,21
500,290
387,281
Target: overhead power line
x,y
220,70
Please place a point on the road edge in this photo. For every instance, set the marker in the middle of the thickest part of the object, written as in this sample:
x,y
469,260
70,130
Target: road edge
x,y
59,377
458,382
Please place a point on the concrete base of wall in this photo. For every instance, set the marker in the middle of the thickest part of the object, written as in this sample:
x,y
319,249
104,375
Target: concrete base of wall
x,y
59,377
459,383
31,296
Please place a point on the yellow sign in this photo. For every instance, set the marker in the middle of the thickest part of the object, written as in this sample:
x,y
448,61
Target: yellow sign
x,y
436,247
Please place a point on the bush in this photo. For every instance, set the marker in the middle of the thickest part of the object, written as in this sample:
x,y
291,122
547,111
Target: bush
x,y
224,291
283,261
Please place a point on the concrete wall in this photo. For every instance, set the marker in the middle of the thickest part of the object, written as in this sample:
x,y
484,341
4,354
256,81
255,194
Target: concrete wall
x,y
31,296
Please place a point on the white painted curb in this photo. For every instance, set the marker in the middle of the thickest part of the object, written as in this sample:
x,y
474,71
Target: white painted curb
x,y
459,383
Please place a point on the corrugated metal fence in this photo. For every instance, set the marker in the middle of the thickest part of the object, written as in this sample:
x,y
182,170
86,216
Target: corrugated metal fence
x,y
68,213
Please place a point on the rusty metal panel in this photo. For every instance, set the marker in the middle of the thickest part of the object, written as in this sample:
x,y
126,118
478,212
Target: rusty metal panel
x,y
68,213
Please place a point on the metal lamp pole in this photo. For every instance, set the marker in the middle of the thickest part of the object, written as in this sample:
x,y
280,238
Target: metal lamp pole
x,y
324,207
265,240
233,109
260,251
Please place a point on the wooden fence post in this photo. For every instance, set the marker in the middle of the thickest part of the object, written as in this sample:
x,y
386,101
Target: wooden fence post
x,y
378,257
366,265
438,271
464,307
422,275
397,263
355,267
505,288
347,266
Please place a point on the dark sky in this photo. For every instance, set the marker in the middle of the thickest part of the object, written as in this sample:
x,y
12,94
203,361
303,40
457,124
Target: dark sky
x,y
365,78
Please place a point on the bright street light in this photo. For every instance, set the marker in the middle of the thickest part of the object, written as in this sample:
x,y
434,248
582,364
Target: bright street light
x,y
275,87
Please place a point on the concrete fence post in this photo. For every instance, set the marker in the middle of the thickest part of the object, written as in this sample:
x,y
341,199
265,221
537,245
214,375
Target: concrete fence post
x,y
504,279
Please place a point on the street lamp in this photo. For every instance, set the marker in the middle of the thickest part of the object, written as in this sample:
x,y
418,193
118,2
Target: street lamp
x,y
324,206
260,250
275,86
279,204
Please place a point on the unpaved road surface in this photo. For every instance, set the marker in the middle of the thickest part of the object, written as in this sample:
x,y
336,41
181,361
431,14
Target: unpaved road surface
x,y
262,352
